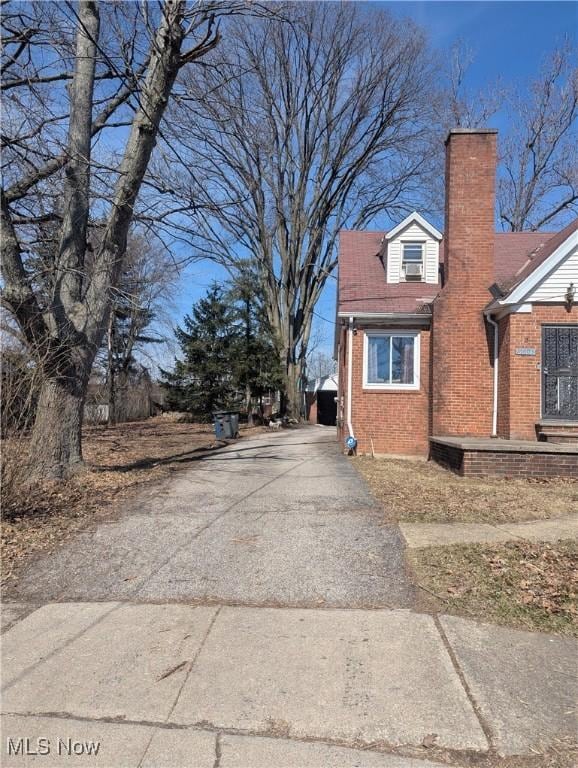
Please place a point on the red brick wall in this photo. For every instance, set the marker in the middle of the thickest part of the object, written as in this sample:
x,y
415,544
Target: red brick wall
x,y
471,463
462,373
519,406
397,422
311,407
504,377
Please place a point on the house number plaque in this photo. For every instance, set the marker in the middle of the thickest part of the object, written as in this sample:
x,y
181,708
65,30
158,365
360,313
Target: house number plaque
x,y
526,351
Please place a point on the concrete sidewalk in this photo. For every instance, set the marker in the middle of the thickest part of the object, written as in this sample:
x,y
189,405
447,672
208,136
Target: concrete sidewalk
x,y
255,612
418,535
176,680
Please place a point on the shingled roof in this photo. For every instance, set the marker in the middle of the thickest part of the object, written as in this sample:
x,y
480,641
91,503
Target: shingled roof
x,y
536,257
362,279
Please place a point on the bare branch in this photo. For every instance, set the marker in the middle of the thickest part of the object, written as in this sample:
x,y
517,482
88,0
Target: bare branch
x,y
306,127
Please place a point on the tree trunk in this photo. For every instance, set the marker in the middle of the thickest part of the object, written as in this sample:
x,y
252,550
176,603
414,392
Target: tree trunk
x,y
293,398
249,404
55,449
111,415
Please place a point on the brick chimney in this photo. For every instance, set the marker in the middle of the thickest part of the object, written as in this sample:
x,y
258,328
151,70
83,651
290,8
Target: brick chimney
x,y
461,348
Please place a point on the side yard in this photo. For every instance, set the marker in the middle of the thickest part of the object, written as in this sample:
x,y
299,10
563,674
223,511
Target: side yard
x,y
415,491
525,584
120,460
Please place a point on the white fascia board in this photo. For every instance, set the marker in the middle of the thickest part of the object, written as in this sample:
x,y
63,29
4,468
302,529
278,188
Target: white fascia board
x,y
535,278
419,219
498,312
392,317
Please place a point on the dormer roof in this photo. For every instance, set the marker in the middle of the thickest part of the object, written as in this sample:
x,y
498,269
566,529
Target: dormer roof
x,y
414,218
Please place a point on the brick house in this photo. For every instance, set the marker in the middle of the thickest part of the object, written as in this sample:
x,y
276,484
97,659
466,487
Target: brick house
x,y
461,346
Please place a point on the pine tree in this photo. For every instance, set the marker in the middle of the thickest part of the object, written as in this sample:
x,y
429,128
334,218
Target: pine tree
x,y
203,380
228,355
256,366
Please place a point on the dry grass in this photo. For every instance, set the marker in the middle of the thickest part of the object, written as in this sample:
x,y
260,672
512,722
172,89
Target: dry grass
x,y
119,461
527,585
420,491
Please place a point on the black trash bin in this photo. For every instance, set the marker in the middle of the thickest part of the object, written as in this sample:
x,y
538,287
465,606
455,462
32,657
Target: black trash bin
x,y
226,424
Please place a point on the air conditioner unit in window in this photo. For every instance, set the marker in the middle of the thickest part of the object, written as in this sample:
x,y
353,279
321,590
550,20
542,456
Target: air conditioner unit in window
x,y
413,271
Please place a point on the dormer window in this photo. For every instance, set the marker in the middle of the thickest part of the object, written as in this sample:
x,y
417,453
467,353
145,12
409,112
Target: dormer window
x,y
412,251
412,261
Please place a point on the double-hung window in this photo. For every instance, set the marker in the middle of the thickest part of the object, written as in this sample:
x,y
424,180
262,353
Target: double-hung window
x,y
412,261
391,360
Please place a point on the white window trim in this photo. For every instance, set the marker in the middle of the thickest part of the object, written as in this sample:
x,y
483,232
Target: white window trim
x,y
416,335
413,241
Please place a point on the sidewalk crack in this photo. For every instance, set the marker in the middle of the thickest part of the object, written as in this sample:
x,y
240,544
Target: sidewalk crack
x,y
218,751
475,706
192,663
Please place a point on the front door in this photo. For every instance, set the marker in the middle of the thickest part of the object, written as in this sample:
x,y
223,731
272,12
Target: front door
x,y
560,372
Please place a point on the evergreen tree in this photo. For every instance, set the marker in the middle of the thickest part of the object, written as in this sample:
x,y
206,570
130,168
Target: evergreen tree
x,y
203,380
256,366
228,355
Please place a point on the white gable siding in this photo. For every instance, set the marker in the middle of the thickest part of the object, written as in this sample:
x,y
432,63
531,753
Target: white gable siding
x,y
393,261
432,261
412,233
554,286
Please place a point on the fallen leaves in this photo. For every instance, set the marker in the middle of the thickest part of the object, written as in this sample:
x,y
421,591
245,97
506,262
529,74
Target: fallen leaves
x,y
543,575
119,459
520,583
430,740
417,491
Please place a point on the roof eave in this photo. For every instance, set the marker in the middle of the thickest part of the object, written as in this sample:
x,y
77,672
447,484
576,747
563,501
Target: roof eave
x,y
394,318
518,293
417,217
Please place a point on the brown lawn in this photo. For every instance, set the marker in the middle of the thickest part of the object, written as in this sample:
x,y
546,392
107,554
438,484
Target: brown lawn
x,y
529,585
517,584
422,491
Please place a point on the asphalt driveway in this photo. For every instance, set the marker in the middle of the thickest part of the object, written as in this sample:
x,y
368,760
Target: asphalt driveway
x,y
254,612
280,519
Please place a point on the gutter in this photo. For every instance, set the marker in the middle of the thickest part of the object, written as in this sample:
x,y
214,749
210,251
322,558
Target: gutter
x,y
389,316
495,326
350,380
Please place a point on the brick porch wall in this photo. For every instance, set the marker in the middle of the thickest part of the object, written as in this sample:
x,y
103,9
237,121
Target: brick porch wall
x,y
471,463
520,377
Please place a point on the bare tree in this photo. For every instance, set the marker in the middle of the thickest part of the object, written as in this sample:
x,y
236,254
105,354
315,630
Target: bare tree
x,y
309,126
538,185
145,288
63,309
456,104
320,364
538,169
459,105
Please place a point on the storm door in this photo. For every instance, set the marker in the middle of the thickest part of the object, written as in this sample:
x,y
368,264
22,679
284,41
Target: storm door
x,y
560,372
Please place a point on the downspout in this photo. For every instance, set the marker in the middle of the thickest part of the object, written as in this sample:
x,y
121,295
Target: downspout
x,y
495,326
350,376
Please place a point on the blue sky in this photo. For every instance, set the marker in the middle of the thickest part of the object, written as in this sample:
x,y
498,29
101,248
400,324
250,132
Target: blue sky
x,y
509,39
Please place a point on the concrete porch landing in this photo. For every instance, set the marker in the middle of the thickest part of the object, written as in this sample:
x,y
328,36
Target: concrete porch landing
x,y
479,456
499,445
